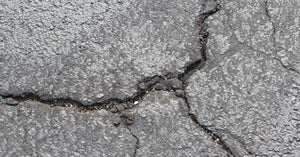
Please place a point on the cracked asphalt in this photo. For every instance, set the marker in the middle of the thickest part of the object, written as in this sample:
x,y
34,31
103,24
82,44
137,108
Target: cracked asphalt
x,y
150,78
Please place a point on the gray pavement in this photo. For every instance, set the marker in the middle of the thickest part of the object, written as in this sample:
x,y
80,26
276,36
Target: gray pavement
x,y
94,50
246,93
35,129
163,127
150,78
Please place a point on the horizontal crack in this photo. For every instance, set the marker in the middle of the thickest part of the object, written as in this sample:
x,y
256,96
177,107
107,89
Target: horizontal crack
x,y
169,82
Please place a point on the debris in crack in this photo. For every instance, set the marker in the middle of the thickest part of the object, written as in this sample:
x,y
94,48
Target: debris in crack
x,y
213,135
177,82
9,101
127,118
169,82
203,35
105,53
196,66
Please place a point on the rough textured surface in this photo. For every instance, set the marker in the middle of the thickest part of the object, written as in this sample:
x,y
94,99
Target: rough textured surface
x,y
163,127
33,129
285,17
93,50
244,93
153,81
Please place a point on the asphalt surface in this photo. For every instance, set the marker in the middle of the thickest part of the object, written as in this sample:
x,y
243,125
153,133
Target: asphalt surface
x,y
150,78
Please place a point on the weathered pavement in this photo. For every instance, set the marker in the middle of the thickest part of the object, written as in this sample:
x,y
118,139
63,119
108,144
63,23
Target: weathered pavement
x,y
150,78
249,91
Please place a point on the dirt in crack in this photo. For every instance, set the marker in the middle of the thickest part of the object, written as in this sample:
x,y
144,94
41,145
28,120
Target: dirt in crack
x,y
176,82
168,82
196,66
216,138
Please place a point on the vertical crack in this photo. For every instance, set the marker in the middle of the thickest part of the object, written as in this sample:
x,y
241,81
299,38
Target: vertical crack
x,y
137,143
216,138
267,12
148,84
203,36
270,19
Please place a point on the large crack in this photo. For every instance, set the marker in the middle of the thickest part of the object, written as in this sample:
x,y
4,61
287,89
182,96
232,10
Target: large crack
x,y
168,82
196,66
156,82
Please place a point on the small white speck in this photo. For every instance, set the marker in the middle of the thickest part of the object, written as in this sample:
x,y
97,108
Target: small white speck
x,y
99,96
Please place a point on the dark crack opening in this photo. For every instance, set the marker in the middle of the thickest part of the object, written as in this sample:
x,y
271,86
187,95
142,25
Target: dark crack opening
x,y
168,82
137,144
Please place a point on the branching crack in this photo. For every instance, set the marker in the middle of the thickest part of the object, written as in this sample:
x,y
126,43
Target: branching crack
x,y
168,82
215,137
194,67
